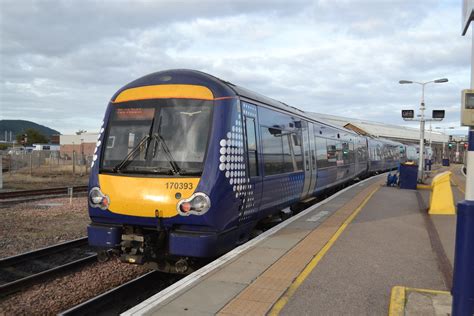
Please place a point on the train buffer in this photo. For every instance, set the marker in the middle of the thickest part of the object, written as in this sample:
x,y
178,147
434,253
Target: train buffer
x,y
367,250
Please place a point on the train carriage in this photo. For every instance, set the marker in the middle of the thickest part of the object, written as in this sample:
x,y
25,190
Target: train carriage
x,y
187,165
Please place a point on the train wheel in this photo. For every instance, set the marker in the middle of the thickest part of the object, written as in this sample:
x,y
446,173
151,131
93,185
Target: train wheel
x,y
103,256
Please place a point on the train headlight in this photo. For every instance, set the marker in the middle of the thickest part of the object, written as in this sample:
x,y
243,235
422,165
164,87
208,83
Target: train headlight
x,y
98,199
198,204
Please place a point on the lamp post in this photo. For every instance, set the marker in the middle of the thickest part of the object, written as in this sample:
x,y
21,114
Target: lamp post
x,y
422,121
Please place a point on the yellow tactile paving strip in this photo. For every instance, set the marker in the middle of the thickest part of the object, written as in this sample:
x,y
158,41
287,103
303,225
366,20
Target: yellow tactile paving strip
x,y
259,297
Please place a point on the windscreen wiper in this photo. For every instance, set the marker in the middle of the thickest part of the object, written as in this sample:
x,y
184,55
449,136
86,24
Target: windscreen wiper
x,y
160,140
131,155
190,172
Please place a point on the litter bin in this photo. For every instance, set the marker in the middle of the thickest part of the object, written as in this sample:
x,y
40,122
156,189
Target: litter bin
x,y
446,162
408,176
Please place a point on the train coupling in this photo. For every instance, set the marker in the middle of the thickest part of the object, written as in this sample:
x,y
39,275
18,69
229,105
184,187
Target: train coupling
x,y
139,246
132,247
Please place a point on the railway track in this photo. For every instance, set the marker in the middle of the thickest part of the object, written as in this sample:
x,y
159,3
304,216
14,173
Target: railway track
x,y
23,270
41,192
128,295
125,296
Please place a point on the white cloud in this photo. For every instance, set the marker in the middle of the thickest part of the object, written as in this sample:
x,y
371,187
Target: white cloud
x,y
62,61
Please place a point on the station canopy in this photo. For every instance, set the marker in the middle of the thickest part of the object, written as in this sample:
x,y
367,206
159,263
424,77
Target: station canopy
x,y
403,134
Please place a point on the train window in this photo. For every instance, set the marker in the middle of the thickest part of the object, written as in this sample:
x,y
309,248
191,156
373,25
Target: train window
x,y
287,157
251,146
321,152
346,153
361,154
251,138
282,151
272,151
292,156
339,155
332,153
351,152
297,151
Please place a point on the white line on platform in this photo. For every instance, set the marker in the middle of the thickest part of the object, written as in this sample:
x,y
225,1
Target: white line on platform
x,y
318,216
149,304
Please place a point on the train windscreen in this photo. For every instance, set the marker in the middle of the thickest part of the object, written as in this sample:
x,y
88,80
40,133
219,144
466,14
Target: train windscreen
x,y
164,136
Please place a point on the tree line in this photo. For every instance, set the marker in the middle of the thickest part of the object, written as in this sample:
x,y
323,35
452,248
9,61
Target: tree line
x,y
31,136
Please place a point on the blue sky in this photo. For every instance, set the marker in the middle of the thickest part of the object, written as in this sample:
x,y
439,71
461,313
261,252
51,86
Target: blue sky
x,y
61,61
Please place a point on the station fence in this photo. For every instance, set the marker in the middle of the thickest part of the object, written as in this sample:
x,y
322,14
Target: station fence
x,y
45,162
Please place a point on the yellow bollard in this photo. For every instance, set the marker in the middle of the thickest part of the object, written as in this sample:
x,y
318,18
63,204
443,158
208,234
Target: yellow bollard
x,y
441,200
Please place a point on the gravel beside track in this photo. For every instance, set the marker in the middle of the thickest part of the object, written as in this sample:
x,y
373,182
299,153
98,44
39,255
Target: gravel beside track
x,y
22,271
60,294
29,226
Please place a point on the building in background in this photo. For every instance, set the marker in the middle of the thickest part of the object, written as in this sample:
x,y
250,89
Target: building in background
x,y
49,147
83,144
54,139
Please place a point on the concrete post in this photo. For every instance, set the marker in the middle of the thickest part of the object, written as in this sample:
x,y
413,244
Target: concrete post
x,y
31,163
74,162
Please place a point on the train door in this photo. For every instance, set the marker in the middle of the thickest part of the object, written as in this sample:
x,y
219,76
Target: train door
x,y
312,154
251,202
307,159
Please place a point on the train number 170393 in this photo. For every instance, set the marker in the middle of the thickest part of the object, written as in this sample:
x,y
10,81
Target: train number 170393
x,y
179,185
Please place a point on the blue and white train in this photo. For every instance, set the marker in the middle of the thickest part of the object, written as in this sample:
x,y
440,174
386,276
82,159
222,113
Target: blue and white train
x,y
187,166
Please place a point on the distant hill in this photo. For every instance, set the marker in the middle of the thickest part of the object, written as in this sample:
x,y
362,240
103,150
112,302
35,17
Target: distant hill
x,y
19,126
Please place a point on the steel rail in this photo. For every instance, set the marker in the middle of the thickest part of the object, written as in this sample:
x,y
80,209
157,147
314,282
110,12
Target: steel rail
x,y
50,191
8,264
125,296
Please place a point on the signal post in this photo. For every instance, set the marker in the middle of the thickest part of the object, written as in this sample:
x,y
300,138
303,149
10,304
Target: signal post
x,y
437,115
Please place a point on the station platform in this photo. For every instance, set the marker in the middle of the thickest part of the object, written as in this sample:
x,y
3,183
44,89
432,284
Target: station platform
x,y
345,255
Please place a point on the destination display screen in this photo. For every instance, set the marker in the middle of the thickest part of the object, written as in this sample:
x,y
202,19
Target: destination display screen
x,y
438,114
134,114
408,113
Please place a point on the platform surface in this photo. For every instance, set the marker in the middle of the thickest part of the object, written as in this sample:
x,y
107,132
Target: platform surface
x,y
342,256
385,245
